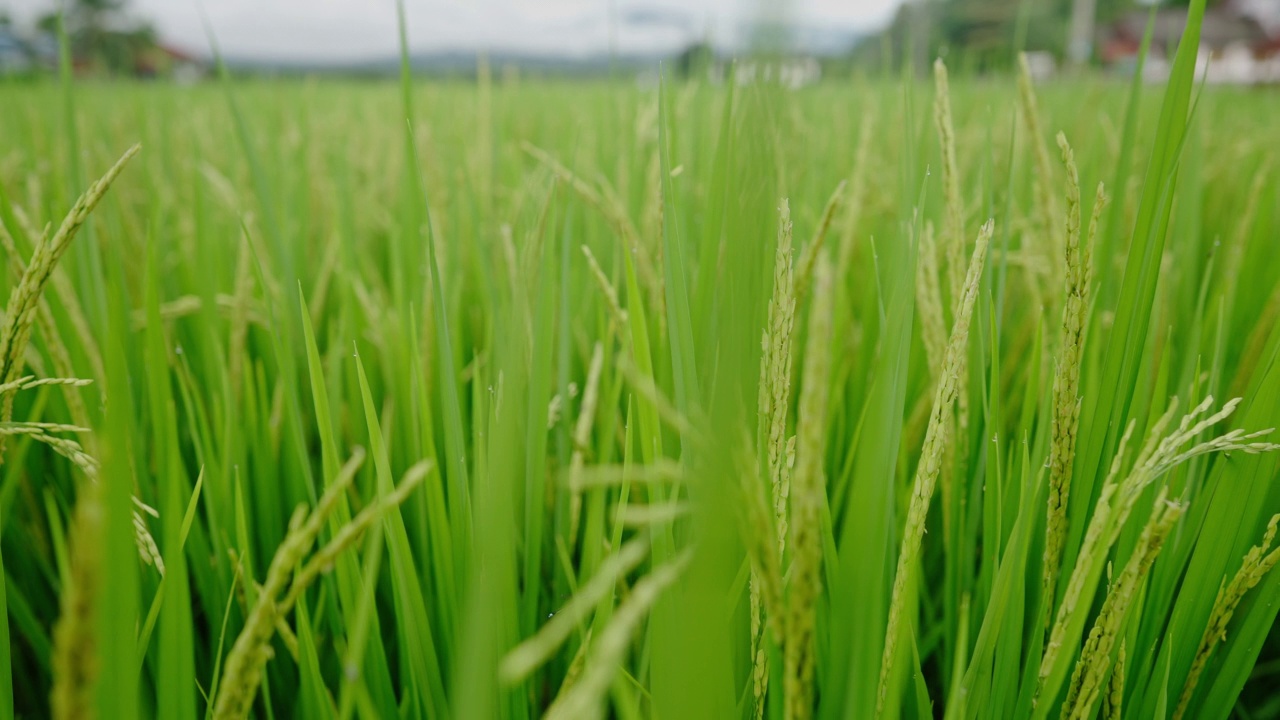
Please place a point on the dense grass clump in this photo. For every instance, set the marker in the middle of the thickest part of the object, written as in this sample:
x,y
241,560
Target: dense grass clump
x,y
590,399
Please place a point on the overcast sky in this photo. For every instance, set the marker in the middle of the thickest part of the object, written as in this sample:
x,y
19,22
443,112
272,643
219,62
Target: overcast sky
x,y
356,29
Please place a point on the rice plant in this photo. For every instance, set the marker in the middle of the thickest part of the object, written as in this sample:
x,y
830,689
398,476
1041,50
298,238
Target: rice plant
x,y
524,397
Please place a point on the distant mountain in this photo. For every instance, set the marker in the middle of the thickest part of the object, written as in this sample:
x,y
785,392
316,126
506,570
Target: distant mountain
x,y
456,63
814,41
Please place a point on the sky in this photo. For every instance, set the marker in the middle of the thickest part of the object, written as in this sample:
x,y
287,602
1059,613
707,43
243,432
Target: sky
x,y
345,30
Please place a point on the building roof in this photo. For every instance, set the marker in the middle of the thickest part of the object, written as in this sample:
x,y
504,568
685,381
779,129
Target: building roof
x,y
1226,24
180,55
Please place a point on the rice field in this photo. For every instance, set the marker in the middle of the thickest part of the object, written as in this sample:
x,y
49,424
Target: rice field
x,y
501,397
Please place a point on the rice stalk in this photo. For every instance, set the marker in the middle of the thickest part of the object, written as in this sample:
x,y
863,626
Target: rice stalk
x,y
1246,224
666,410
933,326
1257,563
1066,380
1257,343
1044,168
639,516
252,649
57,348
805,579
146,543
1089,549
1113,700
857,196
510,259
576,666
240,315
24,300
1161,453
1101,200
533,652
61,359
651,213
613,211
766,561
809,256
957,451
1087,682
28,382
188,305
953,219
766,582
75,653
28,428
323,560
775,374
933,333
584,700
931,456
662,470
76,453
67,297
616,310
582,436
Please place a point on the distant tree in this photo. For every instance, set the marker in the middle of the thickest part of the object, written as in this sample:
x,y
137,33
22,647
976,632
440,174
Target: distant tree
x,y
101,33
978,34
694,60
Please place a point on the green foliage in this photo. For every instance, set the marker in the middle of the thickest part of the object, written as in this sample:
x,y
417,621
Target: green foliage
x,y
977,35
543,303
103,36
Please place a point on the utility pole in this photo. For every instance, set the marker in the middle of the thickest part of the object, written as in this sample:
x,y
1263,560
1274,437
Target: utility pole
x,y
1080,41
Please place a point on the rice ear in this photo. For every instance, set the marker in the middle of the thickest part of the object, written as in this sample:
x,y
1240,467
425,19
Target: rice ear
x,y
775,373
931,457
287,577
1066,380
1257,563
809,256
536,650
582,435
584,699
1113,700
805,580
1087,683
1163,451
24,300
606,288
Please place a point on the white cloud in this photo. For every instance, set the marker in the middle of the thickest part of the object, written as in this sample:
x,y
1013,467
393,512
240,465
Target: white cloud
x,y
354,29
